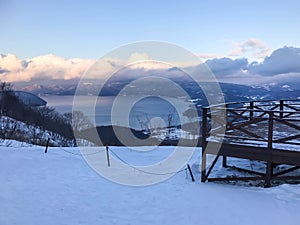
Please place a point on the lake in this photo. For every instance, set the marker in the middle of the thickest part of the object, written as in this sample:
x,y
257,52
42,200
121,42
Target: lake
x,y
138,113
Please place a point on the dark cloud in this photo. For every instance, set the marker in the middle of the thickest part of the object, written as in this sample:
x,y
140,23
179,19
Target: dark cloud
x,y
226,66
281,61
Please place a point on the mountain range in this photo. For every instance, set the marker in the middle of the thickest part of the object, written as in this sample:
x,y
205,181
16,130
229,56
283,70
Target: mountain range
x,y
232,92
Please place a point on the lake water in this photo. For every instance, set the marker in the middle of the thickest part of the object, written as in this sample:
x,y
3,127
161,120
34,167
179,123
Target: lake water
x,y
138,113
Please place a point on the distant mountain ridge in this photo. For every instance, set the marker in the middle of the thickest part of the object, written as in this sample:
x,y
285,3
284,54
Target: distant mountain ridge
x,y
232,92
30,99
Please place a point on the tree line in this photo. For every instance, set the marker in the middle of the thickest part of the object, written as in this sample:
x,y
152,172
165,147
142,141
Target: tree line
x,y
43,117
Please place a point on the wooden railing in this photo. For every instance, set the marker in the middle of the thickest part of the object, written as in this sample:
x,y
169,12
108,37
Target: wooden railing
x,y
254,121
269,125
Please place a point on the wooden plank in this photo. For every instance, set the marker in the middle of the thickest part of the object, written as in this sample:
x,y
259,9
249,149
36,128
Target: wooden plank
x,y
292,107
250,133
286,178
237,115
286,171
212,165
283,140
255,153
286,157
287,123
246,123
247,171
238,151
234,178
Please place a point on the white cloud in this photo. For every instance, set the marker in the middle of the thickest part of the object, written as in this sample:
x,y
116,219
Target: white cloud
x,y
282,61
47,66
13,69
137,56
205,56
252,47
10,62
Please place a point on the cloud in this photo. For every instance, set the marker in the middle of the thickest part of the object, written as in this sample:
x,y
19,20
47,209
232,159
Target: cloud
x,y
10,62
254,47
137,56
206,56
41,67
282,61
13,69
226,66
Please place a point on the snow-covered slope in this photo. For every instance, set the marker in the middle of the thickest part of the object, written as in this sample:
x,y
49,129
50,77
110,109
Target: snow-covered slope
x,y
60,188
13,129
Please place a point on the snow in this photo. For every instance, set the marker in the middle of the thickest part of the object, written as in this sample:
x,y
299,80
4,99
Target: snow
x,y
11,129
60,188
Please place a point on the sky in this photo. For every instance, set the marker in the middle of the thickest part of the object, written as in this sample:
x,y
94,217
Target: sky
x,y
89,29
63,38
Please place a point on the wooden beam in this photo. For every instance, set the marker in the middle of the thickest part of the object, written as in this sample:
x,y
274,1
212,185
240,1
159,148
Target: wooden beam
x,y
286,171
212,166
247,171
234,178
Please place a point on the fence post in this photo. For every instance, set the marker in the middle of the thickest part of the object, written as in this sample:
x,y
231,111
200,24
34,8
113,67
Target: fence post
x,y
107,156
47,145
192,176
270,130
224,161
281,108
251,110
269,169
204,130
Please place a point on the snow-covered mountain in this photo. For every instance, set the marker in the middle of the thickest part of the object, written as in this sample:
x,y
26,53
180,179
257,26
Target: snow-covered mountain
x,y
232,92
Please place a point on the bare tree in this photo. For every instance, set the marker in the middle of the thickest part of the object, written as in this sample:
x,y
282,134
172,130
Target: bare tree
x,y
78,120
170,118
144,123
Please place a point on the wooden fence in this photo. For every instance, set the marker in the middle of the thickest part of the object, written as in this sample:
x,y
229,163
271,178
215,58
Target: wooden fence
x,y
267,131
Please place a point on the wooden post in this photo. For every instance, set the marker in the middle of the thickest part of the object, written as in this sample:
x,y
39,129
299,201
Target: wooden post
x,y
47,145
281,108
251,110
224,158
192,176
204,130
269,169
270,131
107,156
224,162
268,174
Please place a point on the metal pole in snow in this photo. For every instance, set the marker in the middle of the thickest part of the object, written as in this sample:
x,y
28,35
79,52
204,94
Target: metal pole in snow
x,y
192,176
107,156
47,145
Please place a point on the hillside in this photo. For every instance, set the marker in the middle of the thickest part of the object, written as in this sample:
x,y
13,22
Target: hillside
x,y
12,129
24,117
